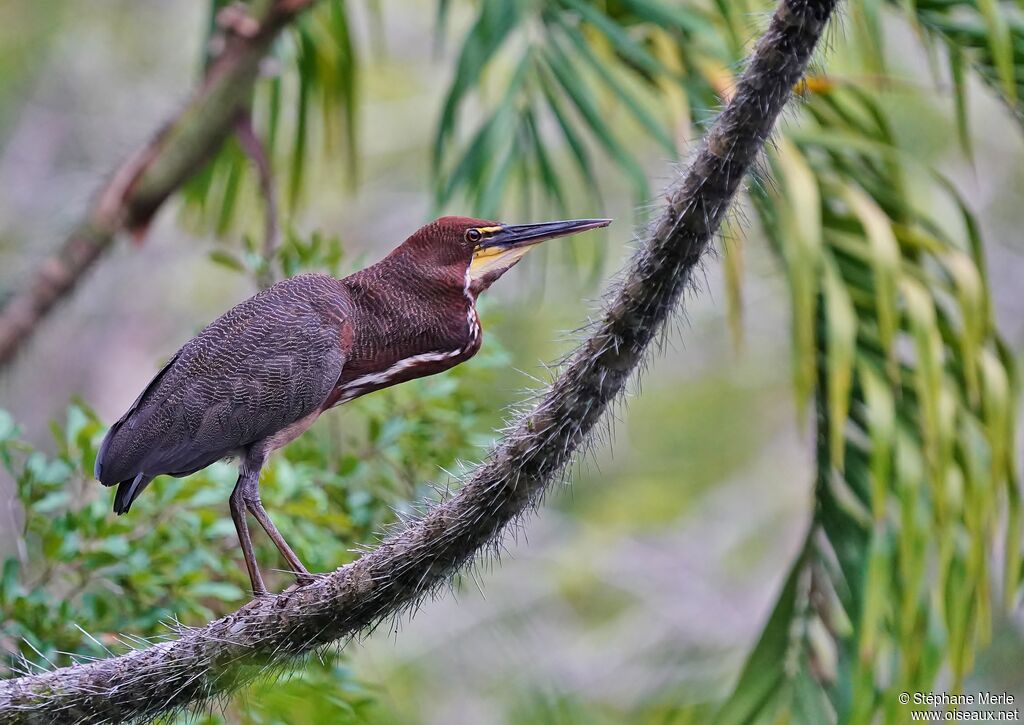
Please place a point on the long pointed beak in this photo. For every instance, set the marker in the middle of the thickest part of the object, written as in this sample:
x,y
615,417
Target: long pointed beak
x,y
518,235
507,244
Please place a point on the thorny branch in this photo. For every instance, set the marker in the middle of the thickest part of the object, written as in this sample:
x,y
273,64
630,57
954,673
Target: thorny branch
x,y
422,555
138,188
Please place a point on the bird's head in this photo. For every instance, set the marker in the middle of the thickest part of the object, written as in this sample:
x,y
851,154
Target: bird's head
x,y
479,251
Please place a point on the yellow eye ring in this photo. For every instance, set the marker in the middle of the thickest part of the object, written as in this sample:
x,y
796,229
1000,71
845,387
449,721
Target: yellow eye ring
x,y
473,235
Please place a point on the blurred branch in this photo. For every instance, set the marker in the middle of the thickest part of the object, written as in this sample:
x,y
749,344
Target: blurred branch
x,y
253,148
140,186
421,557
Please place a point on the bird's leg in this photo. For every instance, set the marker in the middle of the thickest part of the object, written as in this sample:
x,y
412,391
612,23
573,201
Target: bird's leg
x,y
251,497
237,505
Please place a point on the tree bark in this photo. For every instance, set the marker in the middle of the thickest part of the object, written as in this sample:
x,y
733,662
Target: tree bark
x,y
423,555
144,182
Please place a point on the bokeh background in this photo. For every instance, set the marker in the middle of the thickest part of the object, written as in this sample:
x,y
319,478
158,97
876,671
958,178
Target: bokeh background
x,y
638,588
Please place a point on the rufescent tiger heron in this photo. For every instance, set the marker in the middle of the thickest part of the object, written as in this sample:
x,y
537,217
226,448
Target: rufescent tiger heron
x,y
258,376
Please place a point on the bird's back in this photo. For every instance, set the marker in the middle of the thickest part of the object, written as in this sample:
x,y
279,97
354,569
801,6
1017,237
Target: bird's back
x,y
266,363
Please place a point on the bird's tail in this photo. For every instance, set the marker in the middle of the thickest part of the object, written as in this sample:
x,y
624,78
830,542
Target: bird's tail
x,y
128,491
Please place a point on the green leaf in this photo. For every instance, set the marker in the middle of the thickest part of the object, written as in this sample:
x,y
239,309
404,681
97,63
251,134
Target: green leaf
x,y
1000,45
9,581
492,27
8,430
601,68
928,373
227,259
570,82
840,344
547,174
957,73
880,409
626,46
678,17
306,60
984,35
970,294
569,133
800,221
217,590
763,682
884,255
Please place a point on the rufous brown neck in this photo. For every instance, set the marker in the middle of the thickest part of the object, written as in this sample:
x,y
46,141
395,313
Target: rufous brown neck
x,y
408,320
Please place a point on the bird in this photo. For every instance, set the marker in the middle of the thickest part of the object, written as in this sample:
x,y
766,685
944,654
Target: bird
x,y
257,377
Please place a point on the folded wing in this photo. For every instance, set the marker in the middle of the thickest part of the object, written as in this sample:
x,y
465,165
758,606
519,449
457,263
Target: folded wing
x,y
265,364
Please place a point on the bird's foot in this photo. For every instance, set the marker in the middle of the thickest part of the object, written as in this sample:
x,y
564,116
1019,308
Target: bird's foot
x,y
302,579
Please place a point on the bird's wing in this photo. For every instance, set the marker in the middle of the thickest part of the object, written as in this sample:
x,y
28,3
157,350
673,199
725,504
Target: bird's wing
x,y
268,362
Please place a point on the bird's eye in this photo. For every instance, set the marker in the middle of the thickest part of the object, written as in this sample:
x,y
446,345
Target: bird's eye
x,y
473,235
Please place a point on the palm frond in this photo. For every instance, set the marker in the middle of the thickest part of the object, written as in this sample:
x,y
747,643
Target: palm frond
x,y
896,352
987,35
573,74
914,414
305,114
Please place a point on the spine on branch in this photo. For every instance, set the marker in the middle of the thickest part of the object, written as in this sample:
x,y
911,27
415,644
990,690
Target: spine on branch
x,y
143,183
424,554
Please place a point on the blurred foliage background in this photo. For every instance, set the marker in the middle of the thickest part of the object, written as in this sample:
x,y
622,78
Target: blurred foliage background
x,y
813,500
